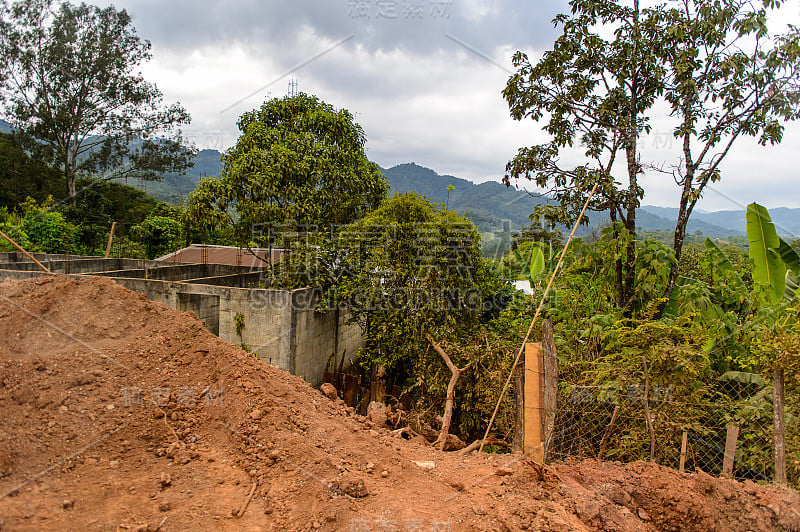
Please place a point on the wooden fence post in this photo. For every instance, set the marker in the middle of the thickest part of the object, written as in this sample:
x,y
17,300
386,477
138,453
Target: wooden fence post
x,y
684,443
730,450
519,408
550,395
533,445
778,428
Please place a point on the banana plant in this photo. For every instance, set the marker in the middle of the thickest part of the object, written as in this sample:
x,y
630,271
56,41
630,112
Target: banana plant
x,y
533,265
776,265
776,268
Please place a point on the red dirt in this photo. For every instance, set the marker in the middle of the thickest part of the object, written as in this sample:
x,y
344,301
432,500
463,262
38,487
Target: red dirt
x,y
80,450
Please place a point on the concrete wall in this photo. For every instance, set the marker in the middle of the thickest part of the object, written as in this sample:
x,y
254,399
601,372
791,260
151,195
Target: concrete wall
x,y
281,327
323,339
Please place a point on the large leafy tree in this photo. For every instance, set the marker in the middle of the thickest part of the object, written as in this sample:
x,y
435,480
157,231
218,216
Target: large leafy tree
x,y
594,92
712,62
411,267
727,78
298,163
71,88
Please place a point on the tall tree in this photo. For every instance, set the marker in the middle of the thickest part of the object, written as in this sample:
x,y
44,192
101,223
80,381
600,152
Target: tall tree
x,y
727,78
594,92
299,162
714,64
71,88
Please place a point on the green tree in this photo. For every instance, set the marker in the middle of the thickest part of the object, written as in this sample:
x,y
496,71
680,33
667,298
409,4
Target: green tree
x,y
159,234
71,87
22,177
412,267
727,78
595,92
299,162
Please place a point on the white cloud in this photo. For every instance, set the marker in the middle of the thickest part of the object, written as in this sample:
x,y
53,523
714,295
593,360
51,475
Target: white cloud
x,y
419,95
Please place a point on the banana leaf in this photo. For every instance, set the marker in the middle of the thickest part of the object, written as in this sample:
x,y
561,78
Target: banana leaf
x,y
769,271
534,265
792,261
790,292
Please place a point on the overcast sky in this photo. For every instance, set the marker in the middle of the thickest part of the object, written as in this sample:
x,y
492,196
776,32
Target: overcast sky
x,y
423,78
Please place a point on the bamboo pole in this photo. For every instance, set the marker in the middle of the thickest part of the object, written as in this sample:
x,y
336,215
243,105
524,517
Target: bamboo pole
x,y
42,266
536,316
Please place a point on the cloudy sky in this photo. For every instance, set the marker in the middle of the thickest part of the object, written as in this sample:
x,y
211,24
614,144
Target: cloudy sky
x,y
423,78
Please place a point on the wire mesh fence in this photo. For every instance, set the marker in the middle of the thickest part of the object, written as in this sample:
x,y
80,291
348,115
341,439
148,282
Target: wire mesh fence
x,y
610,423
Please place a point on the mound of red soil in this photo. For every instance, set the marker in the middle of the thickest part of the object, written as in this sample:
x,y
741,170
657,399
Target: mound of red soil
x,y
122,414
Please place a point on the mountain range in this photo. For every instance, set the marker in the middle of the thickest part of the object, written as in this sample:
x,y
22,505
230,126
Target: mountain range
x,y
492,206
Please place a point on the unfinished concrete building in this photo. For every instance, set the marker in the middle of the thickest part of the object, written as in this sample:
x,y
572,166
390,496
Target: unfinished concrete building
x,y
281,327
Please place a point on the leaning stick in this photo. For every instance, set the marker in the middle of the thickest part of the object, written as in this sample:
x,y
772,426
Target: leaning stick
x,y
42,266
246,502
536,316
110,239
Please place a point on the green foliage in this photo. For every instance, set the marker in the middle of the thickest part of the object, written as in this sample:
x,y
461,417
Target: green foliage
x,y
299,163
723,263
37,227
414,267
97,205
72,87
22,177
159,234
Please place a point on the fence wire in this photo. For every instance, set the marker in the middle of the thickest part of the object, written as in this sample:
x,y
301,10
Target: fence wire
x,y
594,422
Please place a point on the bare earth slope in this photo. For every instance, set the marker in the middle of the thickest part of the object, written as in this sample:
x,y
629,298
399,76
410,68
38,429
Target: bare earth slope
x,y
119,413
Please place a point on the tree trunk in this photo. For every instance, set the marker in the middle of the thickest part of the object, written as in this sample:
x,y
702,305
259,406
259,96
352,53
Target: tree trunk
x,y
629,281
778,428
684,210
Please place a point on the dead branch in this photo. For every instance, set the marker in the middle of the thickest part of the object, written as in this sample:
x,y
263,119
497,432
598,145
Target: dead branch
x,y
477,443
455,373
607,432
247,501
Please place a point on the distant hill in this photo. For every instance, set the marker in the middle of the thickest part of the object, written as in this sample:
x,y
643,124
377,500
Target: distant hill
x,y
787,221
492,206
175,187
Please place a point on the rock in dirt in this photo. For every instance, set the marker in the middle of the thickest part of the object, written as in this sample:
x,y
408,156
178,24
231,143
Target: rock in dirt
x,y
376,412
82,380
356,488
329,390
